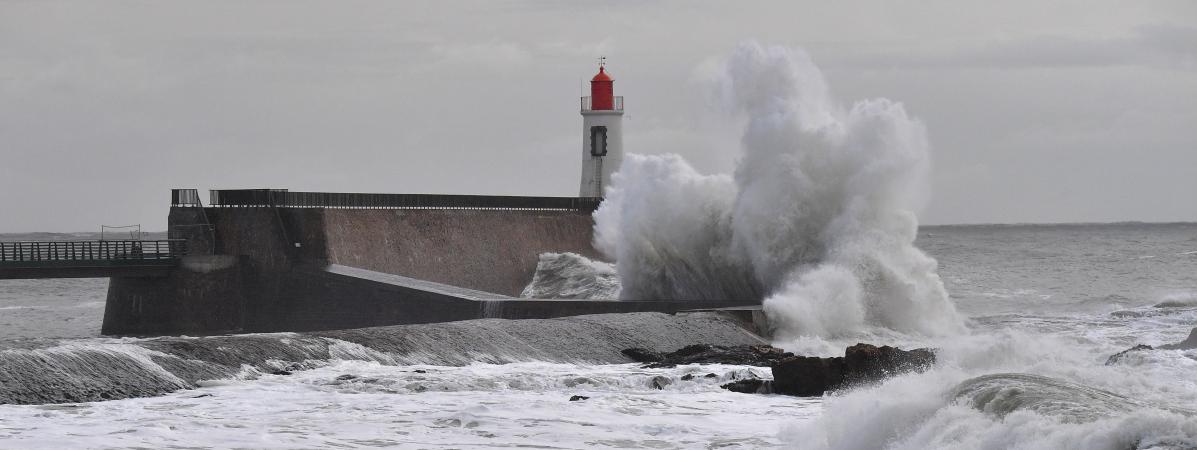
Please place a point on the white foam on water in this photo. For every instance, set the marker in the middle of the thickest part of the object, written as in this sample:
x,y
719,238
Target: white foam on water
x,y
982,394
818,221
366,404
1178,300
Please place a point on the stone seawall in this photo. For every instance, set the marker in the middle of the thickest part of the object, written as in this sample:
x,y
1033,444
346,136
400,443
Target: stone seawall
x,y
271,273
205,295
257,269
486,250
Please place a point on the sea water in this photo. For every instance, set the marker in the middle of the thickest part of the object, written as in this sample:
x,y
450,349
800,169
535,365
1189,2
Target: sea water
x,y
1044,307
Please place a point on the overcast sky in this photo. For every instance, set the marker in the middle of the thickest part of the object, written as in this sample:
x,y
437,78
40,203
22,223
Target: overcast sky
x,y
1038,111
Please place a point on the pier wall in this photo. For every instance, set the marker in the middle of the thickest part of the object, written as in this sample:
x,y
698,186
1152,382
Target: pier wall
x,y
205,295
266,269
273,277
486,250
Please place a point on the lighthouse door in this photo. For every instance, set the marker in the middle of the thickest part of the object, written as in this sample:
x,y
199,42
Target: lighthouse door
x,y
598,141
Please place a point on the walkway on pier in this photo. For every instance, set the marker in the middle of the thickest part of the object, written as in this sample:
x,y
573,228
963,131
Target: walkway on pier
x,y
90,259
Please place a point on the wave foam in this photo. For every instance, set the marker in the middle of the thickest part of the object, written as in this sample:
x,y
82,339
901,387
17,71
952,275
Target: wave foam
x,y
817,220
570,275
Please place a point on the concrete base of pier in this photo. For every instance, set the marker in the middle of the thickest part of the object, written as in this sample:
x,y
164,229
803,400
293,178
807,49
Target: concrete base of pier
x,y
310,269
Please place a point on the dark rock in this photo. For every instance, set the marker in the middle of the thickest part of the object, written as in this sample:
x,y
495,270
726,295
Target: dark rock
x,y
691,350
861,363
346,377
747,355
641,355
864,363
735,375
1118,356
1187,344
750,386
420,371
578,398
687,377
807,375
710,375
281,372
660,381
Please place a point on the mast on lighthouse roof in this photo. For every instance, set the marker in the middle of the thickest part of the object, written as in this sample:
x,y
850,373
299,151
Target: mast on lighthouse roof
x,y
602,133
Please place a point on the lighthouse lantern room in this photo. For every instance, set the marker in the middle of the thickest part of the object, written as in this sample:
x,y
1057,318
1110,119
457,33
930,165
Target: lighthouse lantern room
x,y
602,133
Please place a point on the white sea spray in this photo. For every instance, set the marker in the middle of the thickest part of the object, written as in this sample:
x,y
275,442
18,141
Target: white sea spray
x,y
817,221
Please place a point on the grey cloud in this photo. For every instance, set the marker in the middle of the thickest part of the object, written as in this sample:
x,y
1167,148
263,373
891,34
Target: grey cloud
x,y
105,106
1158,45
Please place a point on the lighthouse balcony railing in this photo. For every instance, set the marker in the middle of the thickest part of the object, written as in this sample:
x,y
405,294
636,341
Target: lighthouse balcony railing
x,y
617,105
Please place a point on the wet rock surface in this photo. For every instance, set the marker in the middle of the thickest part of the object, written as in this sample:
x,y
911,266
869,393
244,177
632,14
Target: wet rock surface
x,y
802,375
793,374
744,355
750,386
642,355
1113,359
659,382
861,364
1188,344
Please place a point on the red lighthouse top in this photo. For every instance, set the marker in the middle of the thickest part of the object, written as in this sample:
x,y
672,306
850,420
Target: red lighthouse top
x,y
602,91
602,75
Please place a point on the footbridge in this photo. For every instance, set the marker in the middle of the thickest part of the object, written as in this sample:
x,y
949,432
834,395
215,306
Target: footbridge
x,y
90,259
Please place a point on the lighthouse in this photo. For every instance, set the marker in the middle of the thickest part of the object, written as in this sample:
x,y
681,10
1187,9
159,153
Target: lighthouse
x,y
602,134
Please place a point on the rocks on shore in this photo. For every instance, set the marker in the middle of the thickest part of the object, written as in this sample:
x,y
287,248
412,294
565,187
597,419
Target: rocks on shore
x,y
753,386
1187,344
792,375
861,364
744,355
659,382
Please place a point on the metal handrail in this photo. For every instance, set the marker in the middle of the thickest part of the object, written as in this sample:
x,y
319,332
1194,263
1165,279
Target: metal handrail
x,y
185,197
616,106
123,250
281,198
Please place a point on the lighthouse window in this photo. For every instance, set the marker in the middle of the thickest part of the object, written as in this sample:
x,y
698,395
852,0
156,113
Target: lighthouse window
x,y
598,141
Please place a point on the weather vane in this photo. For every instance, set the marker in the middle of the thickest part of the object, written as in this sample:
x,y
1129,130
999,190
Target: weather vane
x,y
602,61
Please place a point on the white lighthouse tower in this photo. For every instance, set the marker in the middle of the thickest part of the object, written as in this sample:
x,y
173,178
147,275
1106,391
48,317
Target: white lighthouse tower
x,y
602,134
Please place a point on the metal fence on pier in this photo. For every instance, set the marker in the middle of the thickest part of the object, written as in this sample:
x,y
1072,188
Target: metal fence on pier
x,y
282,198
185,197
67,253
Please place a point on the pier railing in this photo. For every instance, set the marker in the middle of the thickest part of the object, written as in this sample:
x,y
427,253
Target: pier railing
x,y
185,197
68,253
588,103
281,198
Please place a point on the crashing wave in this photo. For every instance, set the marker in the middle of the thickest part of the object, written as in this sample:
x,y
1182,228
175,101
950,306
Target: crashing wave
x,y
997,411
1178,300
817,220
1003,394
570,275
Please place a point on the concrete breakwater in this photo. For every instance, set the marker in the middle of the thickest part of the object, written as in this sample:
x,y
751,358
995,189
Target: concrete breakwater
x,y
258,268
104,369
